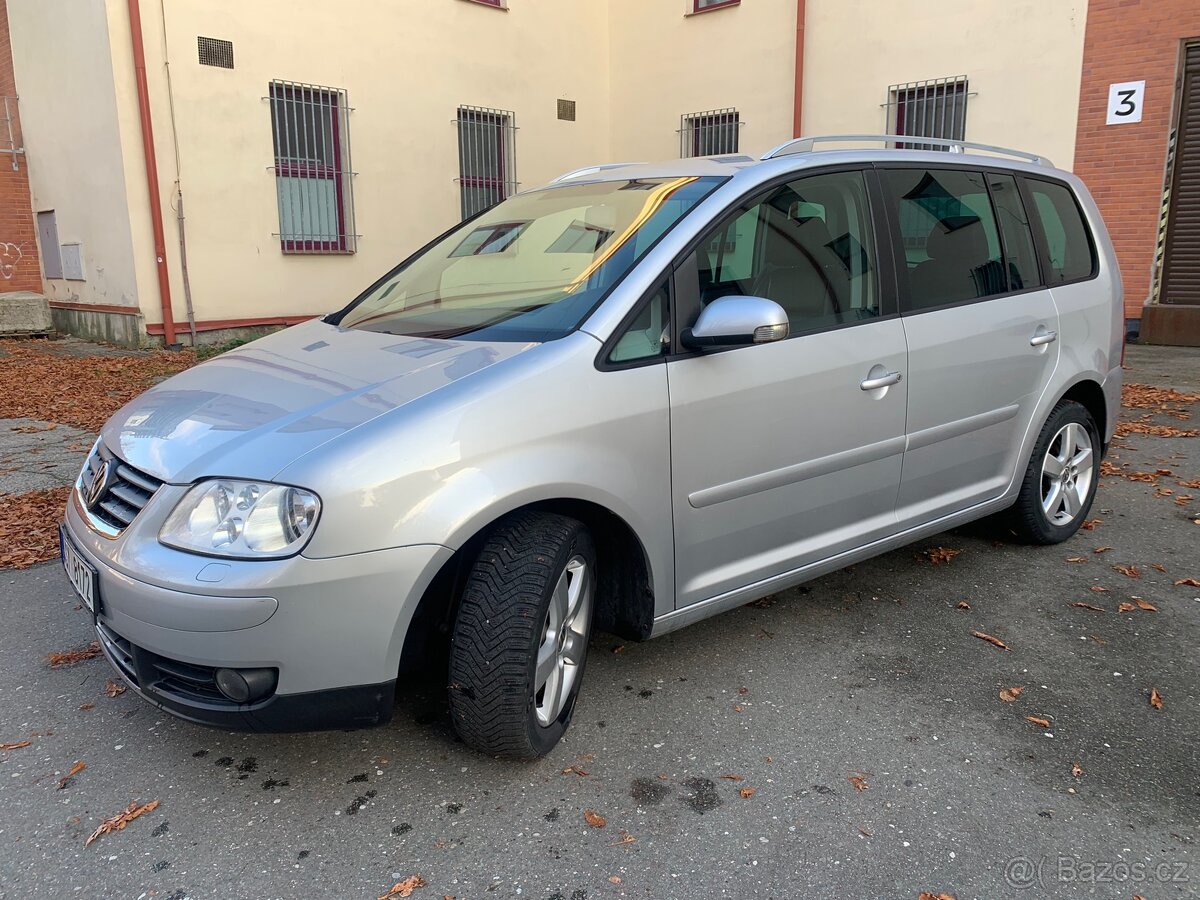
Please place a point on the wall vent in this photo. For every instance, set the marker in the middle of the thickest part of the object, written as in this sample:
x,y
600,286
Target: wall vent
x,y
566,110
215,52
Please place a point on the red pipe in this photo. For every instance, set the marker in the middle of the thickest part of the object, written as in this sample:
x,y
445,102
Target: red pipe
x,y
798,108
156,219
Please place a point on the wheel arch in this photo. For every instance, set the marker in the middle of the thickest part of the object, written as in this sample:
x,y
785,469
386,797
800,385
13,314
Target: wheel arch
x,y
1088,393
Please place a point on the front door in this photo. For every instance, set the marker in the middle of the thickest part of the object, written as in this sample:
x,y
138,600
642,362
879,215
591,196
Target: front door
x,y
787,453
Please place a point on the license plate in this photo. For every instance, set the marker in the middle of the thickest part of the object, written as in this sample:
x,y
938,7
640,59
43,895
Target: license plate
x,y
80,572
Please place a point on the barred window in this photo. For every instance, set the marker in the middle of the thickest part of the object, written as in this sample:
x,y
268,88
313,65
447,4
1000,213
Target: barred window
x,y
311,130
934,109
487,157
709,133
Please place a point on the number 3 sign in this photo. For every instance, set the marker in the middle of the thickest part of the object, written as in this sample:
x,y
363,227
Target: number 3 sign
x,y
1125,102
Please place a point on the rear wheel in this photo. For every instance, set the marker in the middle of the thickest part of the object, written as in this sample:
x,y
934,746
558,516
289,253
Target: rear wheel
x,y
1060,481
520,639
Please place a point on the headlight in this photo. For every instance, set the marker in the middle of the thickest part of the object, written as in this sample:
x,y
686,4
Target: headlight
x,y
246,519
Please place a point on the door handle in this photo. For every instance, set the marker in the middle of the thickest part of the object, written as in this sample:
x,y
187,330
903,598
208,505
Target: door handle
x,y
1043,337
881,381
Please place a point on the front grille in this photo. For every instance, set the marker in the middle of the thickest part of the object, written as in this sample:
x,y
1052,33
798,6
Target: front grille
x,y
125,491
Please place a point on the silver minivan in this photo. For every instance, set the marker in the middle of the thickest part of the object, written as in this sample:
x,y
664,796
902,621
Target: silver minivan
x,y
627,400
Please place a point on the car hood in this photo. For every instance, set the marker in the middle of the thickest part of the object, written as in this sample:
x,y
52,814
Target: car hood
x,y
252,411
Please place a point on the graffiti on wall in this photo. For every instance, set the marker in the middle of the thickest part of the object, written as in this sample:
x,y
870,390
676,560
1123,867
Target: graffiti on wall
x,y
10,256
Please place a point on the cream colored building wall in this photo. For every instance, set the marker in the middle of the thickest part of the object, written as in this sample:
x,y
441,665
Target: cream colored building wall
x,y
666,63
406,67
1023,60
64,74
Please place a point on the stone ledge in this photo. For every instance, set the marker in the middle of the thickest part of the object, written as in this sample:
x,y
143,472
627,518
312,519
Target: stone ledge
x,y
24,312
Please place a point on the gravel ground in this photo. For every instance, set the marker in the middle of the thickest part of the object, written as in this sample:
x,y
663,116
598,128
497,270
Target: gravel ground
x,y
870,674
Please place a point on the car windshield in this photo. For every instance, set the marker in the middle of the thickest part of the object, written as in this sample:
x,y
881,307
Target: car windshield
x,y
531,268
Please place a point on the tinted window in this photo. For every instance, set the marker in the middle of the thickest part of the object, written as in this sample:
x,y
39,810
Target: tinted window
x,y
1068,244
808,246
647,337
1014,229
951,244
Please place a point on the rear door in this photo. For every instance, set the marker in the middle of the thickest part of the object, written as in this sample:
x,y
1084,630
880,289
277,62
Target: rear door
x,y
981,329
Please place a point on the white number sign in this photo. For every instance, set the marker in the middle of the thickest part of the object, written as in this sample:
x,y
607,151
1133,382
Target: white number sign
x,y
1125,102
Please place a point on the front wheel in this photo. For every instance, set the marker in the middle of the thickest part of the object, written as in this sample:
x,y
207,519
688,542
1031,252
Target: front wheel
x,y
520,639
1060,481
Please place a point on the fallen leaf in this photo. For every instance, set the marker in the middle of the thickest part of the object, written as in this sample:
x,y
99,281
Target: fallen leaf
x,y
1090,524
404,888
926,895
994,641
60,658
575,770
1126,607
1082,605
1099,589
743,690
859,780
737,707
615,879
733,777
865,832
1102,549
963,604
939,555
1159,567
1039,722
120,820
1156,699
1100,641
87,705
1008,695
75,770
1129,571
620,648
1076,770
1076,559
114,688
1143,605
594,818
747,792
625,838
16,745
1187,582
1189,484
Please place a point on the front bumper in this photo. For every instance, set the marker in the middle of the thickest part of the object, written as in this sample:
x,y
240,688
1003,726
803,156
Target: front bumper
x,y
332,628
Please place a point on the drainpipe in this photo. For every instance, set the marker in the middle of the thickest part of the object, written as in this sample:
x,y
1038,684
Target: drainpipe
x,y
797,109
156,218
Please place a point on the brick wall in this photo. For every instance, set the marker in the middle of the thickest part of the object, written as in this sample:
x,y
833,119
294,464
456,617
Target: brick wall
x,y
1124,165
20,268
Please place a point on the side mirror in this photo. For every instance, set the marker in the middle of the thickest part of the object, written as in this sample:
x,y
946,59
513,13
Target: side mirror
x,y
737,321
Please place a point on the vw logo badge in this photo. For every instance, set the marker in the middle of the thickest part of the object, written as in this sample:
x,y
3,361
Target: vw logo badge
x,y
95,488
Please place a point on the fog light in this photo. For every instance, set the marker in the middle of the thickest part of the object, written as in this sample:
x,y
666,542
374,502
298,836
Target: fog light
x,y
245,685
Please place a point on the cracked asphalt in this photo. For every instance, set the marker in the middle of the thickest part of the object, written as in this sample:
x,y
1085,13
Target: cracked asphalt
x,y
723,758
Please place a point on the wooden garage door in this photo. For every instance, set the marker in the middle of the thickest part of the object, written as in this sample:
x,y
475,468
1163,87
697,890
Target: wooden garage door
x,y
1181,267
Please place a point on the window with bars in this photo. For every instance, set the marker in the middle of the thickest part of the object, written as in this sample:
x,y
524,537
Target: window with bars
x,y
487,161
313,179
934,109
709,133
704,5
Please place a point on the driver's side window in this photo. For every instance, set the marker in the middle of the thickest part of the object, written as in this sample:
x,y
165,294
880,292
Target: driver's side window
x,y
807,245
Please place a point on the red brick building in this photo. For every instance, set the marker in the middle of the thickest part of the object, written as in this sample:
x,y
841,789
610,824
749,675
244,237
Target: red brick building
x,y
20,269
1142,58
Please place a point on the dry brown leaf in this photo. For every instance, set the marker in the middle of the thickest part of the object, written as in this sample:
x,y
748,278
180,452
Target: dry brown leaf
x,y
743,690
737,707
620,648
926,895
1099,589
29,525
1156,699
1187,582
1126,607
994,641
1076,770
404,888
1041,723
1158,567
859,780
114,688
1128,571
120,820
1102,549
939,555
1189,484
75,770
1143,605
747,792
625,838
61,658
15,745
962,604
1081,605
733,777
594,818
615,879
575,770
1090,524
87,705
1008,695
1098,640
1076,559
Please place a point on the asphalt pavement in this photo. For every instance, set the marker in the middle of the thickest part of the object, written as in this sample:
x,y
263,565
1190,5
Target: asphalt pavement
x,y
845,739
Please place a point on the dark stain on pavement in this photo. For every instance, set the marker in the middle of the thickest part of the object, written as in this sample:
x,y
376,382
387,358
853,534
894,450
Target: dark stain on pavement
x,y
357,779
402,828
649,791
704,795
200,754
359,802
270,784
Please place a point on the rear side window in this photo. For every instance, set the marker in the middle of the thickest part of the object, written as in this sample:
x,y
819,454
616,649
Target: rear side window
x,y
1069,250
1014,229
951,244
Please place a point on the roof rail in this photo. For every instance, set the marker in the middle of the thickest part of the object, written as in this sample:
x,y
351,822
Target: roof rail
x,y
589,170
808,145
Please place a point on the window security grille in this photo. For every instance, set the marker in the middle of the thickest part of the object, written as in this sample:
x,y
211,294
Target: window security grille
x,y
709,133
936,109
487,160
215,52
313,178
